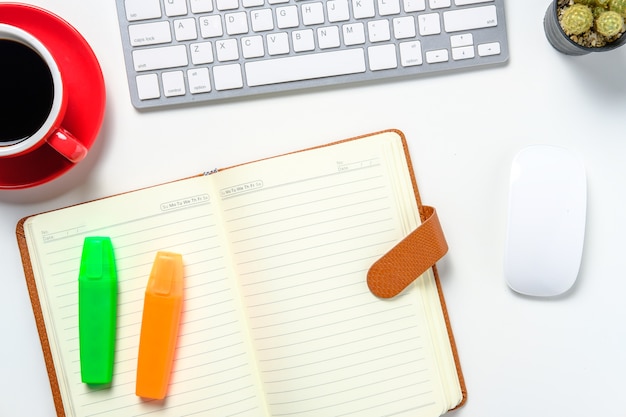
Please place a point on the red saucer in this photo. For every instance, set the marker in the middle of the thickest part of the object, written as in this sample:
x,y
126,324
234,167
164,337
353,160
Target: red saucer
x,y
83,77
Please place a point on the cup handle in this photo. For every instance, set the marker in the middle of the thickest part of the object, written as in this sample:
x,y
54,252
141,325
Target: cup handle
x,y
67,145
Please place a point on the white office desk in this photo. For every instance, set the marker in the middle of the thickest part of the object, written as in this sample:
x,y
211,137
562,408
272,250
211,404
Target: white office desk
x,y
521,356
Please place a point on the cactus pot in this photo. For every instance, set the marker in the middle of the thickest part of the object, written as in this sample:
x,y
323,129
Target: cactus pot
x,y
562,43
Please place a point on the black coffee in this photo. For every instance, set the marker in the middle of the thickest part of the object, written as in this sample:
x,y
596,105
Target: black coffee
x,y
26,91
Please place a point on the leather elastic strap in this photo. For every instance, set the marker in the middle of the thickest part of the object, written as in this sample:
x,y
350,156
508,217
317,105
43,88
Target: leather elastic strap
x,y
410,258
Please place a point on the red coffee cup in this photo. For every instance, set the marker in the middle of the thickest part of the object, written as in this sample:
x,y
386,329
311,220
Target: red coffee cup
x,y
33,99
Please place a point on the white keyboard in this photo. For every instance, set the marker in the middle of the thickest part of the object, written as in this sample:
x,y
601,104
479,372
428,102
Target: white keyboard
x,y
184,51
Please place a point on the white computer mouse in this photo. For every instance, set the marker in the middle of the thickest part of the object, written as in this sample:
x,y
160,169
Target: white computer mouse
x,y
546,220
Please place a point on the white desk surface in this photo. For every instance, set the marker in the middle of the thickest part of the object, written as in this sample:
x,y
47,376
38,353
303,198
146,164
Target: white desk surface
x,y
521,356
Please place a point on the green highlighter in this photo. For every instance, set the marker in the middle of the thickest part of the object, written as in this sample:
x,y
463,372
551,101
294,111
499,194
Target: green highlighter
x,y
97,310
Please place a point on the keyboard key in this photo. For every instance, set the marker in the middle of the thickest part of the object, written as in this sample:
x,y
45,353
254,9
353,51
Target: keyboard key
x,y
414,5
175,7
252,47
404,27
173,83
185,29
438,4
467,2
388,7
382,57
337,10
262,20
439,55
465,39
313,13
378,30
160,58
354,34
429,24
463,52
328,37
201,53
411,53
227,50
303,67
287,17
303,40
150,33
278,43
199,81
148,86
489,49
236,23
142,9
201,6
227,4
227,77
211,26
467,19
363,8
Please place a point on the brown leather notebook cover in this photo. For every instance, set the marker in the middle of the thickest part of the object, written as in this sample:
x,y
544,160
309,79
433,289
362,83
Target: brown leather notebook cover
x,y
404,263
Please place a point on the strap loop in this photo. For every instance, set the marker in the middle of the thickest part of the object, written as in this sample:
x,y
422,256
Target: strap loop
x,y
410,258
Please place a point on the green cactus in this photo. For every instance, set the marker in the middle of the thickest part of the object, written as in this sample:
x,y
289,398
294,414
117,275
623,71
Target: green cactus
x,y
618,6
577,19
609,24
605,17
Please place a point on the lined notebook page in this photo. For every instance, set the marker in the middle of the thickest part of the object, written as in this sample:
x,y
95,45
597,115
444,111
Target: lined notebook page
x,y
304,229
212,375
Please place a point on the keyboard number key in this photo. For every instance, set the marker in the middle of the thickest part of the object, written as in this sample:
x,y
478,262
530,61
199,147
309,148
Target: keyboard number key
x,y
148,86
199,81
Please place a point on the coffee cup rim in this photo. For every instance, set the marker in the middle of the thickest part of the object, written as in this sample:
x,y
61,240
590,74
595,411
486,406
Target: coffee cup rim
x,y
55,115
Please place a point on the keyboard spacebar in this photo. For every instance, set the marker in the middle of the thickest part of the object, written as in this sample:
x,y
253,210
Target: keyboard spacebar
x,y
305,67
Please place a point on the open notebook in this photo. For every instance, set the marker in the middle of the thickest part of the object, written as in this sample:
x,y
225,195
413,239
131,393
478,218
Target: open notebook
x,y
278,319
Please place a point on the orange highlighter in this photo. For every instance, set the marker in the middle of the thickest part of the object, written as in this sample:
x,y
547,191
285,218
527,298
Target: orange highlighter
x,y
159,326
